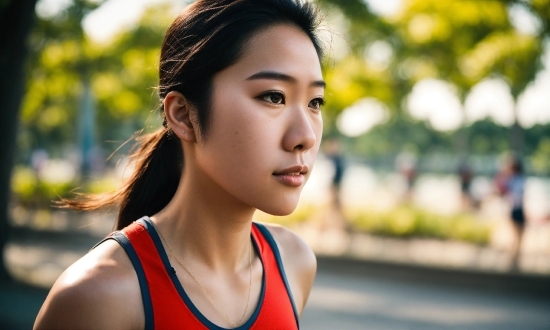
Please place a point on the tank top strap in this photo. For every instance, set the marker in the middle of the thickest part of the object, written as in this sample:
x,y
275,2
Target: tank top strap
x,y
280,291
169,310
121,237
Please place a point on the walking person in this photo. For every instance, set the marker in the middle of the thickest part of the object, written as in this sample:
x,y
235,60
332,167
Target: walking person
x,y
335,216
515,189
510,183
466,175
241,89
334,154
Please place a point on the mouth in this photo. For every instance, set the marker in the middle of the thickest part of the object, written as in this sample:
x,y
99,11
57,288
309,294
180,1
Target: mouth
x,y
293,176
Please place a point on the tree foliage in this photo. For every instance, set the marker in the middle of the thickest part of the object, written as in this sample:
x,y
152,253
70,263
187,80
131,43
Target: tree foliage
x,y
460,41
122,74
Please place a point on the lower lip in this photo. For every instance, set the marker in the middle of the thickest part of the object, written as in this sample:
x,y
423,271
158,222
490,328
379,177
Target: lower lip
x,y
290,180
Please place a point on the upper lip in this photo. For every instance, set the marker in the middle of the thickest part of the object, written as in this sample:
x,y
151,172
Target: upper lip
x,y
302,169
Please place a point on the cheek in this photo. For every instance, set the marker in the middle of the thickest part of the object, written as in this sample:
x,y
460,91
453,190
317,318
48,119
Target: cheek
x,y
247,134
240,148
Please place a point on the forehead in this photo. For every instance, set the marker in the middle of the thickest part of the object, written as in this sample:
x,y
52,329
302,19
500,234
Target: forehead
x,y
281,48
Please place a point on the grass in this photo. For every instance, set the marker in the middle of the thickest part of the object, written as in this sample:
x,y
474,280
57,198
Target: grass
x,y
408,221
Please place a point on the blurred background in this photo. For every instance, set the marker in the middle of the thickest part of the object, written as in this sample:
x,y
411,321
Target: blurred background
x,y
435,163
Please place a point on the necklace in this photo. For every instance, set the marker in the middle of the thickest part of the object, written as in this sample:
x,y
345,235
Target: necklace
x,y
204,290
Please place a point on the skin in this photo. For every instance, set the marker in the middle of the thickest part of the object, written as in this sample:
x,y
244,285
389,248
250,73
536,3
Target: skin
x,y
261,124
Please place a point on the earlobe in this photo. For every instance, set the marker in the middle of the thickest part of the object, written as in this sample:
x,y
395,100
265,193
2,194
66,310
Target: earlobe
x,y
177,111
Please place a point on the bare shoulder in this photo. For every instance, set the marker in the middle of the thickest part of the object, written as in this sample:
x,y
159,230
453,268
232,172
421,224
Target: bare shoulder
x,y
299,262
99,291
293,245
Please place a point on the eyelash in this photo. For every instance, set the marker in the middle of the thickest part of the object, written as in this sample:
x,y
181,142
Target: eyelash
x,y
320,101
265,95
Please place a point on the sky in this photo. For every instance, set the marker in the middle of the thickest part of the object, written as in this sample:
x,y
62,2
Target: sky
x,y
432,100
363,115
384,7
114,15
110,18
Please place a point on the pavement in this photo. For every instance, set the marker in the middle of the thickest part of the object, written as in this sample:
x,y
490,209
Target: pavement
x,y
38,253
364,295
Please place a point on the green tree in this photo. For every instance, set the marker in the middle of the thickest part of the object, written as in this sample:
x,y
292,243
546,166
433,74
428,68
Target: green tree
x,y
353,77
121,74
460,41
61,62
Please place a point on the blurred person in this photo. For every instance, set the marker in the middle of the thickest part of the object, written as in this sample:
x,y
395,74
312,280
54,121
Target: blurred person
x,y
241,88
501,178
333,149
406,165
515,192
465,175
334,154
510,182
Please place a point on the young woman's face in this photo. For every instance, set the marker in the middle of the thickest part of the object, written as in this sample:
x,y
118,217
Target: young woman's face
x,y
266,123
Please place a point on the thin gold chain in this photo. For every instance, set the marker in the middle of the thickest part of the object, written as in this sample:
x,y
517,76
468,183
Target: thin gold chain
x,y
204,290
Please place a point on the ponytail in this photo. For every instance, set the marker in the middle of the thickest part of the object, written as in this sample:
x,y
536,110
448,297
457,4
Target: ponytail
x,y
158,165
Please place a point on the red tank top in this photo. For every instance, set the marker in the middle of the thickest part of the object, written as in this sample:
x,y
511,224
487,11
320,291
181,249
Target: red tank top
x,y
167,306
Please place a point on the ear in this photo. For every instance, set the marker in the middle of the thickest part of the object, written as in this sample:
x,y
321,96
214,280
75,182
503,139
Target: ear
x,y
178,116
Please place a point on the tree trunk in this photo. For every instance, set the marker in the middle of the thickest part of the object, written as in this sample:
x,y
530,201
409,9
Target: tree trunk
x,y
16,20
516,134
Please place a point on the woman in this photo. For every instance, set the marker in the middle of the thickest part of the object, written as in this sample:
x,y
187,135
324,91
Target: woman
x,y
241,88
515,190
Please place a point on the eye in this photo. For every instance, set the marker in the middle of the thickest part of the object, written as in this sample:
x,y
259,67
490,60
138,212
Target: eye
x,y
273,97
316,103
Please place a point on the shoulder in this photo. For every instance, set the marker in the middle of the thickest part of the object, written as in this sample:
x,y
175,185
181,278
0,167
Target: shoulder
x,y
100,290
299,262
292,244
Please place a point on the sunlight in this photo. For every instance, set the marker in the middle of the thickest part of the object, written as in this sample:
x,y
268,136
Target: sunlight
x,y
385,7
490,98
114,15
362,116
437,102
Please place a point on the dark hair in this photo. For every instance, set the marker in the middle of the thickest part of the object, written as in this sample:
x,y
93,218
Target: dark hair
x,y
207,37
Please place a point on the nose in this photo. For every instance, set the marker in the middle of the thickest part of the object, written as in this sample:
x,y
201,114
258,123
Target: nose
x,y
300,135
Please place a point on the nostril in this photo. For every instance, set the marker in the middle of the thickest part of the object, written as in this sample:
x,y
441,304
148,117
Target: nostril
x,y
299,147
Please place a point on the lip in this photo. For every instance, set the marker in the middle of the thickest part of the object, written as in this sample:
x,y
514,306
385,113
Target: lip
x,y
293,176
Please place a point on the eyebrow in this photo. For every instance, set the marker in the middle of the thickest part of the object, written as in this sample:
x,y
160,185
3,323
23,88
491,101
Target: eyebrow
x,y
273,75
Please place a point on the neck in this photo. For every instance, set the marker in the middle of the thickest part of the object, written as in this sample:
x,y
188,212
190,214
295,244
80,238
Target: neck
x,y
204,224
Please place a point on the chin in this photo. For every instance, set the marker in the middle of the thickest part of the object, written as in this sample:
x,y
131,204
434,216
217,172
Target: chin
x,y
280,208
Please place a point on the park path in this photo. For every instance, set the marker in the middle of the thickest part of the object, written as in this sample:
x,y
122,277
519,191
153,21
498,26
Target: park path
x,y
363,296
